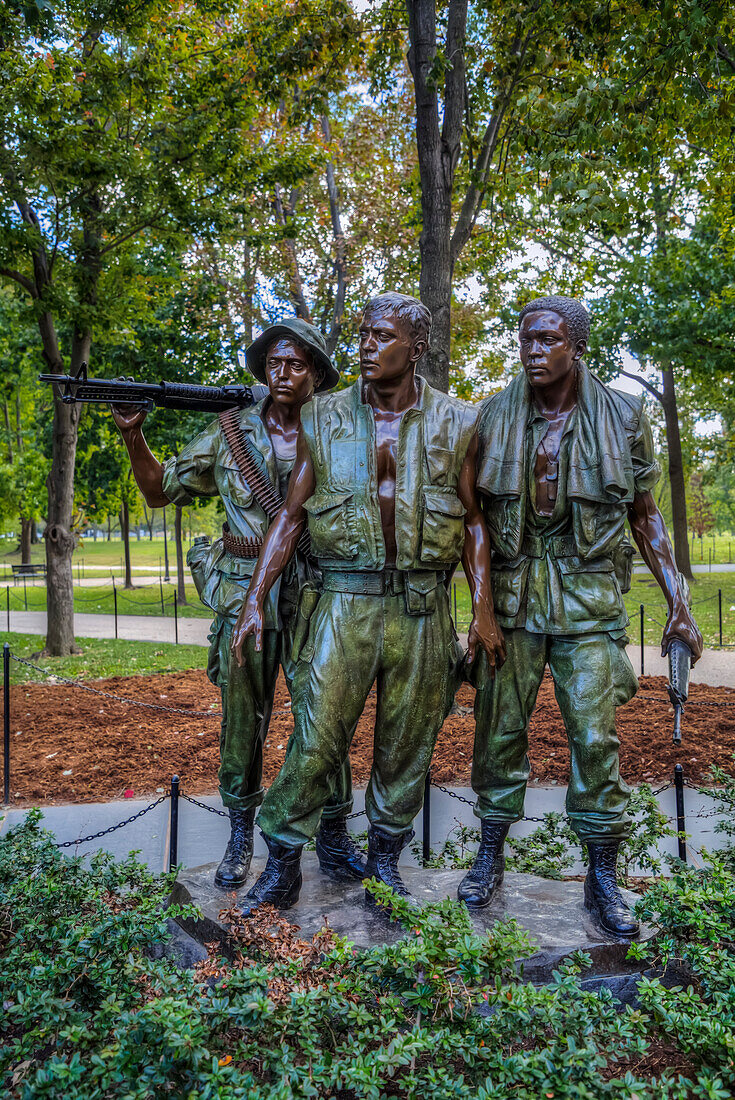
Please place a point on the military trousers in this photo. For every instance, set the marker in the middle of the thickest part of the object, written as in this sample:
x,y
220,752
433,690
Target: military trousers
x,y
356,641
247,703
592,676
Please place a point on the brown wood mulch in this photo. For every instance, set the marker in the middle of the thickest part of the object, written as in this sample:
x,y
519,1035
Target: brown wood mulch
x,y
69,745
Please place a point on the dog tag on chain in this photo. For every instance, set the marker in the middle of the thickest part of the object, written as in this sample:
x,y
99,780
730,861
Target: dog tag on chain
x,y
552,475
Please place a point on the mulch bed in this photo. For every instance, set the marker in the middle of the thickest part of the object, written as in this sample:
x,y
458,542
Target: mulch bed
x,y
68,745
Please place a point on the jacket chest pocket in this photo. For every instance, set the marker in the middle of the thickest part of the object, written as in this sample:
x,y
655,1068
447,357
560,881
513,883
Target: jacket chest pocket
x,y
231,484
330,525
442,532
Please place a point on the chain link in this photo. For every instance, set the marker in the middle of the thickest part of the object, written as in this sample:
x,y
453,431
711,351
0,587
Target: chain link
x,y
112,828
204,806
650,697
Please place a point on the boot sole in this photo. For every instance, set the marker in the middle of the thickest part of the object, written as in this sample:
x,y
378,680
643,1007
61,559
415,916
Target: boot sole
x,y
339,873
232,884
594,910
471,903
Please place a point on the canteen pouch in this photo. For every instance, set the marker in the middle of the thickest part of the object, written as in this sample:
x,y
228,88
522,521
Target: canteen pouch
x,y
197,559
622,558
308,599
420,593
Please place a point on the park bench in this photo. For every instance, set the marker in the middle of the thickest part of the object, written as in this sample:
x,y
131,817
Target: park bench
x,y
35,569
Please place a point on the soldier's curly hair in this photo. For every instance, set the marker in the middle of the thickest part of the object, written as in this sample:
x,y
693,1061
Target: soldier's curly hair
x,y
569,309
410,310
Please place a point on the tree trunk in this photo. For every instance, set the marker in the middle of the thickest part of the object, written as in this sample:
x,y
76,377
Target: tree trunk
x,y
676,472
180,581
149,522
125,532
26,529
438,152
60,541
167,573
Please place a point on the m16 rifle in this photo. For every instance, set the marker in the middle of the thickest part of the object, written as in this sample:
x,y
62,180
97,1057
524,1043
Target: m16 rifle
x,y
163,395
680,663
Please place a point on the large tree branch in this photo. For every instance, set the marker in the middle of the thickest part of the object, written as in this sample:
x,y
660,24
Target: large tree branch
x,y
454,82
291,256
646,385
340,259
22,280
476,191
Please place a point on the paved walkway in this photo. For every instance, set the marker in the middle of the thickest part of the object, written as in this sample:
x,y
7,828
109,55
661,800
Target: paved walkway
x,y
716,668
203,836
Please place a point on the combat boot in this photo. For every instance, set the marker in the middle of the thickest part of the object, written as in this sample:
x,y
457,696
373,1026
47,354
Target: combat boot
x,y
233,870
601,893
339,856
382,860
280,882
484,877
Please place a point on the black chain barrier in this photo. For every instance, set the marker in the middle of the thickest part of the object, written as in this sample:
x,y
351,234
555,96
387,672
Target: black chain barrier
x,y
359,813
112,828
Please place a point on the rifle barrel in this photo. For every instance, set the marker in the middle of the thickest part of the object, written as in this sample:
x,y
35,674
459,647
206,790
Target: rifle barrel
x,y
165,395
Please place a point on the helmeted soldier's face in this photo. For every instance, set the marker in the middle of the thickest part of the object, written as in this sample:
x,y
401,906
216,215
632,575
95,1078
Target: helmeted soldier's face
x,y
387,347
289,373
548,352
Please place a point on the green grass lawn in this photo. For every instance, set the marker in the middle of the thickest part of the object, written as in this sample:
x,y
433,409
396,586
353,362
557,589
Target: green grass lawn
x,y
102,657
645,591
100,600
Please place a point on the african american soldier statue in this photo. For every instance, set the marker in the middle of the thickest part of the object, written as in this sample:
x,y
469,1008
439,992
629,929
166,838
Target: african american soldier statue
x,y
385,477
563,462
291,358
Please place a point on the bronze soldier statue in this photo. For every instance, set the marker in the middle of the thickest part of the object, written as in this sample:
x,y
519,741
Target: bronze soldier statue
x,y
563,461
385,476
291,357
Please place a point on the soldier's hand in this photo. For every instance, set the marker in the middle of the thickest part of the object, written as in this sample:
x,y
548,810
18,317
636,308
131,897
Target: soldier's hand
x,y
680,624
485,632
128,416
249,624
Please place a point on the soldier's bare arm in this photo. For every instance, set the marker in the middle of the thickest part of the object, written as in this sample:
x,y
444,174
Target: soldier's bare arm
x,y
147,470
652,538
279,547
484,630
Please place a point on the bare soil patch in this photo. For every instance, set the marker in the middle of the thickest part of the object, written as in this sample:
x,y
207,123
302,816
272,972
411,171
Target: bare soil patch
x,y
68,745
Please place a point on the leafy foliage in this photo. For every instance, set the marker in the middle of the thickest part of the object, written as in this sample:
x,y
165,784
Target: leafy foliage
x,y
441,1012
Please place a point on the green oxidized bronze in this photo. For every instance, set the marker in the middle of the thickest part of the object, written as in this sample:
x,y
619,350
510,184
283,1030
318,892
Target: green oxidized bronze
x,y
292,358
563,462
385,478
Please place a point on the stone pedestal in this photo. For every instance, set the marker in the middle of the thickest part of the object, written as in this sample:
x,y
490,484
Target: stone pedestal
x,y
552,912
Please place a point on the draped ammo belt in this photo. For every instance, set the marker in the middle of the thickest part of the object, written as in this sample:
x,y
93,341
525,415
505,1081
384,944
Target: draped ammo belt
x,y
240,547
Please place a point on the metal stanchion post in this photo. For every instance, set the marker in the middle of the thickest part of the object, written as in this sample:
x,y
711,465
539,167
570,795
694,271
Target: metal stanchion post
x,y
426,820
114,596
680,819
173,847
6,722
642,614
25,592
176,618
719,608
160,585
709,552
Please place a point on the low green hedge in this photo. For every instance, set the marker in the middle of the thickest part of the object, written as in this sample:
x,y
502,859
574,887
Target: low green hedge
x,y
87,1013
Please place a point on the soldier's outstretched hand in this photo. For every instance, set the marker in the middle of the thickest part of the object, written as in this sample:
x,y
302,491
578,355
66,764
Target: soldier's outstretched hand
x,y
485,632
249,624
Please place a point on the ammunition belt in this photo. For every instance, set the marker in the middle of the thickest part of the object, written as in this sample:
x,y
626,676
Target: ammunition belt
x,y
240,547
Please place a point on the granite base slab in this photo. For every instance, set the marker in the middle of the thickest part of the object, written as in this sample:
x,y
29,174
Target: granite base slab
x,y
552,913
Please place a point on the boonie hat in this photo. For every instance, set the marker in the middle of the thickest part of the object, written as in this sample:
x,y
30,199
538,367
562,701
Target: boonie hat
x,y
305,334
